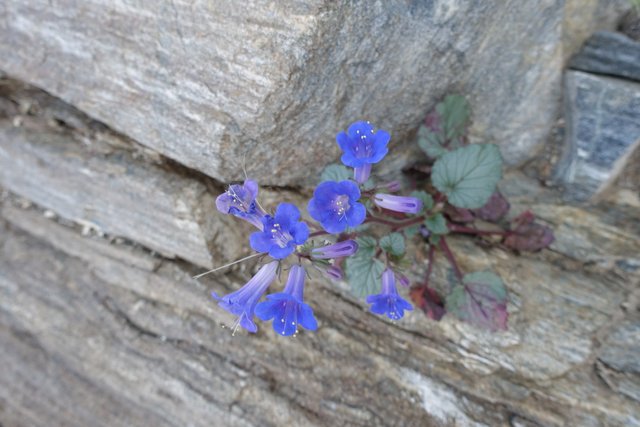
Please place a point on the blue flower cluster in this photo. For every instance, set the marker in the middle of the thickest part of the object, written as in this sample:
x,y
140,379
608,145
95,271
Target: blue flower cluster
x,y
336,206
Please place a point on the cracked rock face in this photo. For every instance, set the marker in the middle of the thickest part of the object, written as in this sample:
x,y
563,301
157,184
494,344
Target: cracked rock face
x,y
211,84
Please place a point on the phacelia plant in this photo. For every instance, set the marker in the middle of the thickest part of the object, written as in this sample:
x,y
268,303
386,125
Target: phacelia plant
x,y
362,226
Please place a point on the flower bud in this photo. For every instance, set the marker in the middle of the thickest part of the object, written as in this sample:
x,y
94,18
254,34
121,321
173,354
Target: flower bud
x,y
404,204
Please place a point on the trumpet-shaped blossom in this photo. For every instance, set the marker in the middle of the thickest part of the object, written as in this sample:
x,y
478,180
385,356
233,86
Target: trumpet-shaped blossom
x,y
362,147
404,204
337,250
333,272
287,308
240,201
335,205
281,233
388,301
243,302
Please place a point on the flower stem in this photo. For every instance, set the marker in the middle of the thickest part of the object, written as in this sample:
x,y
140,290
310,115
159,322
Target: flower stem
x,y
396,225
452,260
318,233
469,230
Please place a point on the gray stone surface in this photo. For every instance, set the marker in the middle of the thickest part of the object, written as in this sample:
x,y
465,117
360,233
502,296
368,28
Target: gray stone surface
x,y
619,356
212,83
602,131
584,17
108,190
126,338
609,53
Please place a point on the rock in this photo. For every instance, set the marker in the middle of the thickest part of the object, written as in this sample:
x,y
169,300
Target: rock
x,y
609,53
583,17
121,337
269,85
108,190
602,132
619,354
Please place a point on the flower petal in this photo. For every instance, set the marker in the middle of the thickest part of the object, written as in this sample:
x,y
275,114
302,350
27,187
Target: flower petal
x,y
300,233
260,241
306,319
252,187
344,142
380,141
357,129
267,310
277,252
288,211
356,215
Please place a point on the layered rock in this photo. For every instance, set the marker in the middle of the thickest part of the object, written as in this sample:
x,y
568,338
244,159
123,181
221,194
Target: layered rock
x,y
127,338
214,85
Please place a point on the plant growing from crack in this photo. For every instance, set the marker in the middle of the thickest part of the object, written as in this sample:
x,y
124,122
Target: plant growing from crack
x,y
362,226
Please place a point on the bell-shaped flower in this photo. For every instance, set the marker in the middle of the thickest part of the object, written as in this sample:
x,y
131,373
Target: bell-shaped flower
x,y
243,302
404,204
240,201
337,250
287,308
335,206
362,147
388,301
281,233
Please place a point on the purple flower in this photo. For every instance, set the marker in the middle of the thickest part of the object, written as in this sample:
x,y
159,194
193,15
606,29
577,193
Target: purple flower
x,y
337,250
281,233
243,302
404,281
333,272
403,204
335,205
240,201
394,186
287,308
362,147
388,301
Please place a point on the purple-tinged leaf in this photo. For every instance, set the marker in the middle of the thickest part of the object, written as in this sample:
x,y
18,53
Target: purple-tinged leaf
x,y
458,214
432,122
494,209
428,301
527,235
481,300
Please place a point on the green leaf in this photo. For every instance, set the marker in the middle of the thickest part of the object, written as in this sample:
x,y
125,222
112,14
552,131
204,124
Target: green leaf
x,y
431,142
468,175
427,200
409,232
437,224
481,300
363,270
336,172
393,244
455,113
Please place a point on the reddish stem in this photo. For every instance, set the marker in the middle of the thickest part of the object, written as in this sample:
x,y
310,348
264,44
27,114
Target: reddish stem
x,y
396,225
469,230
318,233
450,258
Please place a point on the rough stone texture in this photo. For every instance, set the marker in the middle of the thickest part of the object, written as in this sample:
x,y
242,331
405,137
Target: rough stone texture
x,y
583,17
106,189
611,54
619,355
212,83
602,132
126,338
